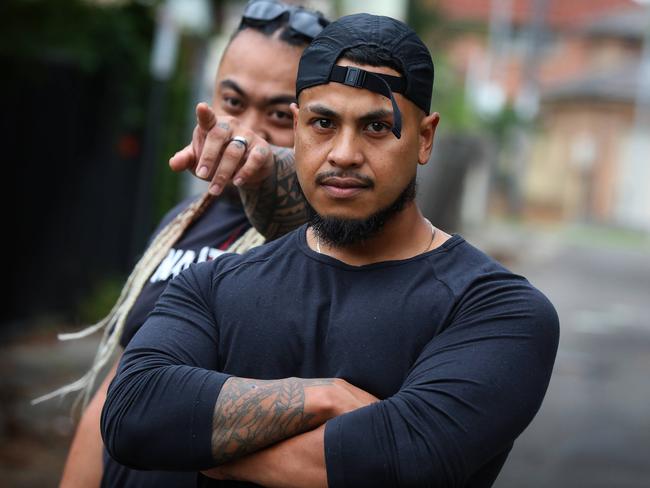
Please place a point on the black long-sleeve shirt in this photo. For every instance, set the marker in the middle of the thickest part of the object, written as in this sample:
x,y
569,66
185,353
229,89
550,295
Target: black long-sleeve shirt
x,y
459,349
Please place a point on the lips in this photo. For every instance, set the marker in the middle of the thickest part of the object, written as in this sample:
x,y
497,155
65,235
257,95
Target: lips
x,y
343,187
341,182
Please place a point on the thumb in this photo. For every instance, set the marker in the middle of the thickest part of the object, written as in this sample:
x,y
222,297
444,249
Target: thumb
x,y
183,160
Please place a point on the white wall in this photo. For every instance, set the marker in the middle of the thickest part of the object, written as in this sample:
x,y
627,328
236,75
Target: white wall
x,y
391,8
633,189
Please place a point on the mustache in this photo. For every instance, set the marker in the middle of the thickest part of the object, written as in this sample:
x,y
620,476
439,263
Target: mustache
x,y
363,179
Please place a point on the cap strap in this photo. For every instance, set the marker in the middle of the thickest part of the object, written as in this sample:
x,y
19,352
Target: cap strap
x,y
377,82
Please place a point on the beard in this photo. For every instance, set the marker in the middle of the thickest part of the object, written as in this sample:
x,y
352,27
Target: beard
x,y
339,232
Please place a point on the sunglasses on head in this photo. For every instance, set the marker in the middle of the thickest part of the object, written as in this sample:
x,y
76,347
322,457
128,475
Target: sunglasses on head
x,y
308,23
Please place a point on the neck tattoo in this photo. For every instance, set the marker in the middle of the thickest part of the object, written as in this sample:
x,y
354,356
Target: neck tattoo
x,y
433,237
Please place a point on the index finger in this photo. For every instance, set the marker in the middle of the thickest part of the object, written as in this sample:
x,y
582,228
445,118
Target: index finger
x,y
205,116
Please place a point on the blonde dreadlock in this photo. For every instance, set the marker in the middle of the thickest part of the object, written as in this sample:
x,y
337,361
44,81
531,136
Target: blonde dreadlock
x,y
113,323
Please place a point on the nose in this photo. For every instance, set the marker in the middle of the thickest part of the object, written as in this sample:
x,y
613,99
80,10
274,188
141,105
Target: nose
x,y
346,151
253,119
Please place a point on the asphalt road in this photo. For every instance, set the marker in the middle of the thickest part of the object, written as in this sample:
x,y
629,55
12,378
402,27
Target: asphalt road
x,y
593,429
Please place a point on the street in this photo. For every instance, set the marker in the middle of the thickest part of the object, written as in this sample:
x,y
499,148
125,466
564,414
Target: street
x,y
593,429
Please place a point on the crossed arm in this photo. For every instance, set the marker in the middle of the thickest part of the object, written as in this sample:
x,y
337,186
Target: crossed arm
x,y
252,414
298,462
272,432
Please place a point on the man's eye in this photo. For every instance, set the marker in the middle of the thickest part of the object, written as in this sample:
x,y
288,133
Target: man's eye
x,y
232,103
377,127
323,123
281,116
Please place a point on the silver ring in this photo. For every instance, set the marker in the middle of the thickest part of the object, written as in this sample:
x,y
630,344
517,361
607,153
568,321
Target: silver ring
x,y
241,140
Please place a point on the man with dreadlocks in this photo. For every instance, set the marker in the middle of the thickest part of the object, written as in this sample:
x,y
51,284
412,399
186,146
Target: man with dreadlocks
x,y
367,348
253,90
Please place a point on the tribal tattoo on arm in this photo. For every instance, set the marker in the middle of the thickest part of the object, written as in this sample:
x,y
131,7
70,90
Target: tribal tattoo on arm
x,y
277,206
252,414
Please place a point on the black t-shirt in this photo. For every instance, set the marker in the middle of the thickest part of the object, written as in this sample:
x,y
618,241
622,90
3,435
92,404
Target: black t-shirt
x,y
222,223
459,349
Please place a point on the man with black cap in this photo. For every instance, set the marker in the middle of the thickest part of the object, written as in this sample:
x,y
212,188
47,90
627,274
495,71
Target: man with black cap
x,y
366,348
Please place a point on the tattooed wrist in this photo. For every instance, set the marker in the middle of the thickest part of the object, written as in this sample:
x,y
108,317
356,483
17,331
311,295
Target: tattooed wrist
x,y
277,206
252,414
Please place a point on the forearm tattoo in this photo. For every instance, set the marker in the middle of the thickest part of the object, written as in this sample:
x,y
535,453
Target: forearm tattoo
x,y
277,206
252,414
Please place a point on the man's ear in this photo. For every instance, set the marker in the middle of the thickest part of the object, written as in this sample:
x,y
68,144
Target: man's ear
x,y
428,127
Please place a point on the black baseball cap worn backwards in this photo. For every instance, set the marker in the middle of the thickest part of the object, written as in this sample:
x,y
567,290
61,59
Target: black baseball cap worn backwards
x,y
318,62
